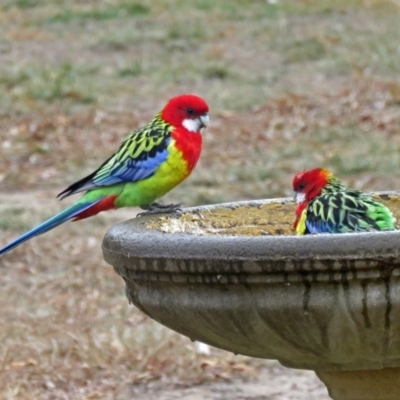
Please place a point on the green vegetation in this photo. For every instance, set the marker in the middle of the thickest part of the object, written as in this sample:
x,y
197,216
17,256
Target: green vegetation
x,y
117,11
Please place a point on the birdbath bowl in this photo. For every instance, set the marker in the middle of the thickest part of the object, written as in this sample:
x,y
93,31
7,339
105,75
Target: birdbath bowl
x,y
234,276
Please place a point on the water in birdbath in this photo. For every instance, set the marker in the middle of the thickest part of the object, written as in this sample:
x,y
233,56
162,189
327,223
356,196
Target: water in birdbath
x,y
272,218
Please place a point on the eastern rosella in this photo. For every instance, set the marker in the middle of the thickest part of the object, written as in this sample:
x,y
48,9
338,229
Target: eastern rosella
x,y
325,205
149,163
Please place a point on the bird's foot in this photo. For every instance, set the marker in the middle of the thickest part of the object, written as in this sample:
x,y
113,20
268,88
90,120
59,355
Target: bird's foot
x,y
157,208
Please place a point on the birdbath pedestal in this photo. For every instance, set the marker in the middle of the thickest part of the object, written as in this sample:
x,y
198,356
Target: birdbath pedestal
x,y
232,276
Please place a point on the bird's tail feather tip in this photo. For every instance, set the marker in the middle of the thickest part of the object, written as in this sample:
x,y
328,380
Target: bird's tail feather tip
x,y
65,215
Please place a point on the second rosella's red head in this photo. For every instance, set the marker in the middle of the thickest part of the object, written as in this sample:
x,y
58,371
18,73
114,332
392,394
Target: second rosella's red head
x,y
308,184
186,111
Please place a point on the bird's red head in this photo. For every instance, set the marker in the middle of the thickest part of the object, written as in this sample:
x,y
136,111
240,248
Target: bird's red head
x,y
186,111
309,184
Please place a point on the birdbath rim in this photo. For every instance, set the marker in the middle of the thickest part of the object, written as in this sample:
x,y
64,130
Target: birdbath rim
x,y
136,239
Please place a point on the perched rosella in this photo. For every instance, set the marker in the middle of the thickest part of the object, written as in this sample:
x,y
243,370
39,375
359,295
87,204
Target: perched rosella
x,y
325,205
149,163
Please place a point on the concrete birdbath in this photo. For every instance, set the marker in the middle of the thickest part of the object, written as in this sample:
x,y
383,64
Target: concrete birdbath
x,y
234,276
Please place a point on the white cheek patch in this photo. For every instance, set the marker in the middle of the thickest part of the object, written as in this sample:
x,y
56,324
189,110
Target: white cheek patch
x,y
300,197
192,125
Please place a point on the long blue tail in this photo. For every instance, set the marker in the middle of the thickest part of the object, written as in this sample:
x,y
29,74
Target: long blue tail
x,y
51,223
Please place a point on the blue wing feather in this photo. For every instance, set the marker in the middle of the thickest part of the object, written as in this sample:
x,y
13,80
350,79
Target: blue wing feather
x,y
132,170
138,158
320,227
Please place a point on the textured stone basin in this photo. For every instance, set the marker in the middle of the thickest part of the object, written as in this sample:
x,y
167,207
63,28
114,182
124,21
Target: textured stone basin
x,y
232,276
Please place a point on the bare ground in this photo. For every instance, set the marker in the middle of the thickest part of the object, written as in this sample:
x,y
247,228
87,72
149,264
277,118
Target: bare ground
x,y
270,383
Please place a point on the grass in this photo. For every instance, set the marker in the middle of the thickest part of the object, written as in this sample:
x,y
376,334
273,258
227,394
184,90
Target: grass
x,y
36,86
10,219
119,10
291,85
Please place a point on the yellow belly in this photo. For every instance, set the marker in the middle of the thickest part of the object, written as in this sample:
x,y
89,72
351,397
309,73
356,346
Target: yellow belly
x,y
301,225
169,174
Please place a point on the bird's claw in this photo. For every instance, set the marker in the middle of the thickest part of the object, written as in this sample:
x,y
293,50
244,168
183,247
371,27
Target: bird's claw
x,y
157,208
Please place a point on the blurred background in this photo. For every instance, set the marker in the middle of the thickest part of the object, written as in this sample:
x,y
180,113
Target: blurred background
x,y
290,84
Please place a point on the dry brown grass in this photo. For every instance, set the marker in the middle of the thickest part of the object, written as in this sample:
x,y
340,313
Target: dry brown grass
x,y
291,85
68,330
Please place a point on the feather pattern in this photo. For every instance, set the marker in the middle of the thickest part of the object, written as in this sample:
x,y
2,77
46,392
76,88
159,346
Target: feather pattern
x,y
347,211
138,157
331,207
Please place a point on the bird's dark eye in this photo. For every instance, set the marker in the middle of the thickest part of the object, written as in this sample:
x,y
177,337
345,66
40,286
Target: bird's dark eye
x,y
190,111
302,185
